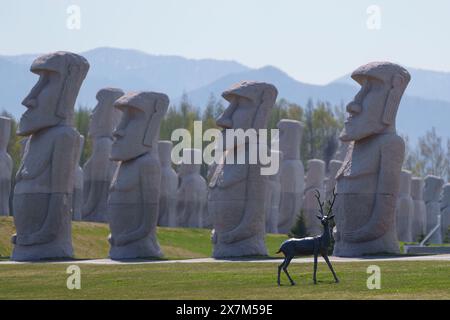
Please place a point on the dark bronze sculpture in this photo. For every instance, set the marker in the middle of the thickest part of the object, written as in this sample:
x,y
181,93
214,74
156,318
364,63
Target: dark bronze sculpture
x,y
310,245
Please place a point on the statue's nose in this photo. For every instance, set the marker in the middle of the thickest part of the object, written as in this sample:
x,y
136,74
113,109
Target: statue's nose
x,y
29,102
224,122
354,108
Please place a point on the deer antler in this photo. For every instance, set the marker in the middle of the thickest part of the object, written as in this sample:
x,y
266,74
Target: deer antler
x,y
331,203
317,195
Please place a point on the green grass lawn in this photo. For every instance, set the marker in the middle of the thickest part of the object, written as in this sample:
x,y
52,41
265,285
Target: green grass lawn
x,y
399,280
90,241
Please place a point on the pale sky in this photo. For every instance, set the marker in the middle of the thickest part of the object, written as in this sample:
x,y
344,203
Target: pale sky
x,y
313,41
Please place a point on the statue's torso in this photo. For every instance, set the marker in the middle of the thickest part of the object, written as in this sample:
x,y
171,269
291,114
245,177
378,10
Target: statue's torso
x,y
35,172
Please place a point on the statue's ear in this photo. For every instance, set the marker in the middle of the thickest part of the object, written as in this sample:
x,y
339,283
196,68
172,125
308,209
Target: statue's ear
x,y
393,99
69,92
268,99
152,133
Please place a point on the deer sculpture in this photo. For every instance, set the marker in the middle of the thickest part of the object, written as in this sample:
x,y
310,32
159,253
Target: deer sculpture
x,y
310,245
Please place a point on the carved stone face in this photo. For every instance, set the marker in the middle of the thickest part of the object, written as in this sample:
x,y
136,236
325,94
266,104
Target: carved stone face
x,y
138,130
129,135
432,188
51,101
104,118
366,110
290,136
239,114
41,102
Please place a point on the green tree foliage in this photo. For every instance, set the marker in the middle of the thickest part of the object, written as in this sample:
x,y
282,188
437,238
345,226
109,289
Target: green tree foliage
x,y
298,230
430,156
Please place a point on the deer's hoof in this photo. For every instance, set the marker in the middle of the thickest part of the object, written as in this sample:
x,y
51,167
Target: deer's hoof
x,y
292,283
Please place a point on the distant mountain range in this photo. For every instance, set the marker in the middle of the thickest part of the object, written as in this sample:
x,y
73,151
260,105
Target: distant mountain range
x,y
426,102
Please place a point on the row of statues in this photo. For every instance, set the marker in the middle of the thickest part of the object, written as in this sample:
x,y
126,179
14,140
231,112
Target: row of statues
x,y
130,183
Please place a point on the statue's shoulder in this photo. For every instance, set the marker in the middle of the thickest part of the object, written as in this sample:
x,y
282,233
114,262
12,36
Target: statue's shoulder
x,y
392,141
148,162
63,133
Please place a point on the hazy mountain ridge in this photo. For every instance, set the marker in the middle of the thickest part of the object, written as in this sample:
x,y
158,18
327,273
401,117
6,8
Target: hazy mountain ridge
x,y
426,103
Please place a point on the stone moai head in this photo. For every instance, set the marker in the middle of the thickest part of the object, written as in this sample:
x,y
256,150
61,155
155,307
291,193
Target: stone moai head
x,y
290,137
433,188
405,182
51,101
250,105
334,167
374,108
315,174
417,185
138,130
104,117
5,132
446,196
164,151
187,166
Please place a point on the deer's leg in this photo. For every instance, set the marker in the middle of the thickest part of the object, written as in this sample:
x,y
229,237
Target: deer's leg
x,y
315,268
279,270
286,264
325,257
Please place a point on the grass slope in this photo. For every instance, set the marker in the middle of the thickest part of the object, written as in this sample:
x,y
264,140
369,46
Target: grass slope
x,y
90,241
399,280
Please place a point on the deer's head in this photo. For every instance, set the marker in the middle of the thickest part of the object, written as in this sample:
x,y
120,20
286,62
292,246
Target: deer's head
x,y
325,218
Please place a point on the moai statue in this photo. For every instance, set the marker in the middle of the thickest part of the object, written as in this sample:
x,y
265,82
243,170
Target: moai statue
x,y
168,189
77,201
134,194
6,166
445,211
420,210
330,181
292,176
314,181
369,179
99,169
273,196
45,179
405,208
236,199
192,191
431,196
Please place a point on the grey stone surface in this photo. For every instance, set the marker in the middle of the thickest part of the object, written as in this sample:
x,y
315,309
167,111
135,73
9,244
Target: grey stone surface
x,y
77,200
369,180
134,195
330,181
237,192
431,196
99,169
445,211
420,211
191,194
405,208
6,166
292,176
273,197
45,179
342,150
168,189
314,181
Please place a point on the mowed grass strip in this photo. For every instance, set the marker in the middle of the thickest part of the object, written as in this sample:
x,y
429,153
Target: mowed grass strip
x,y
90,241
399,280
